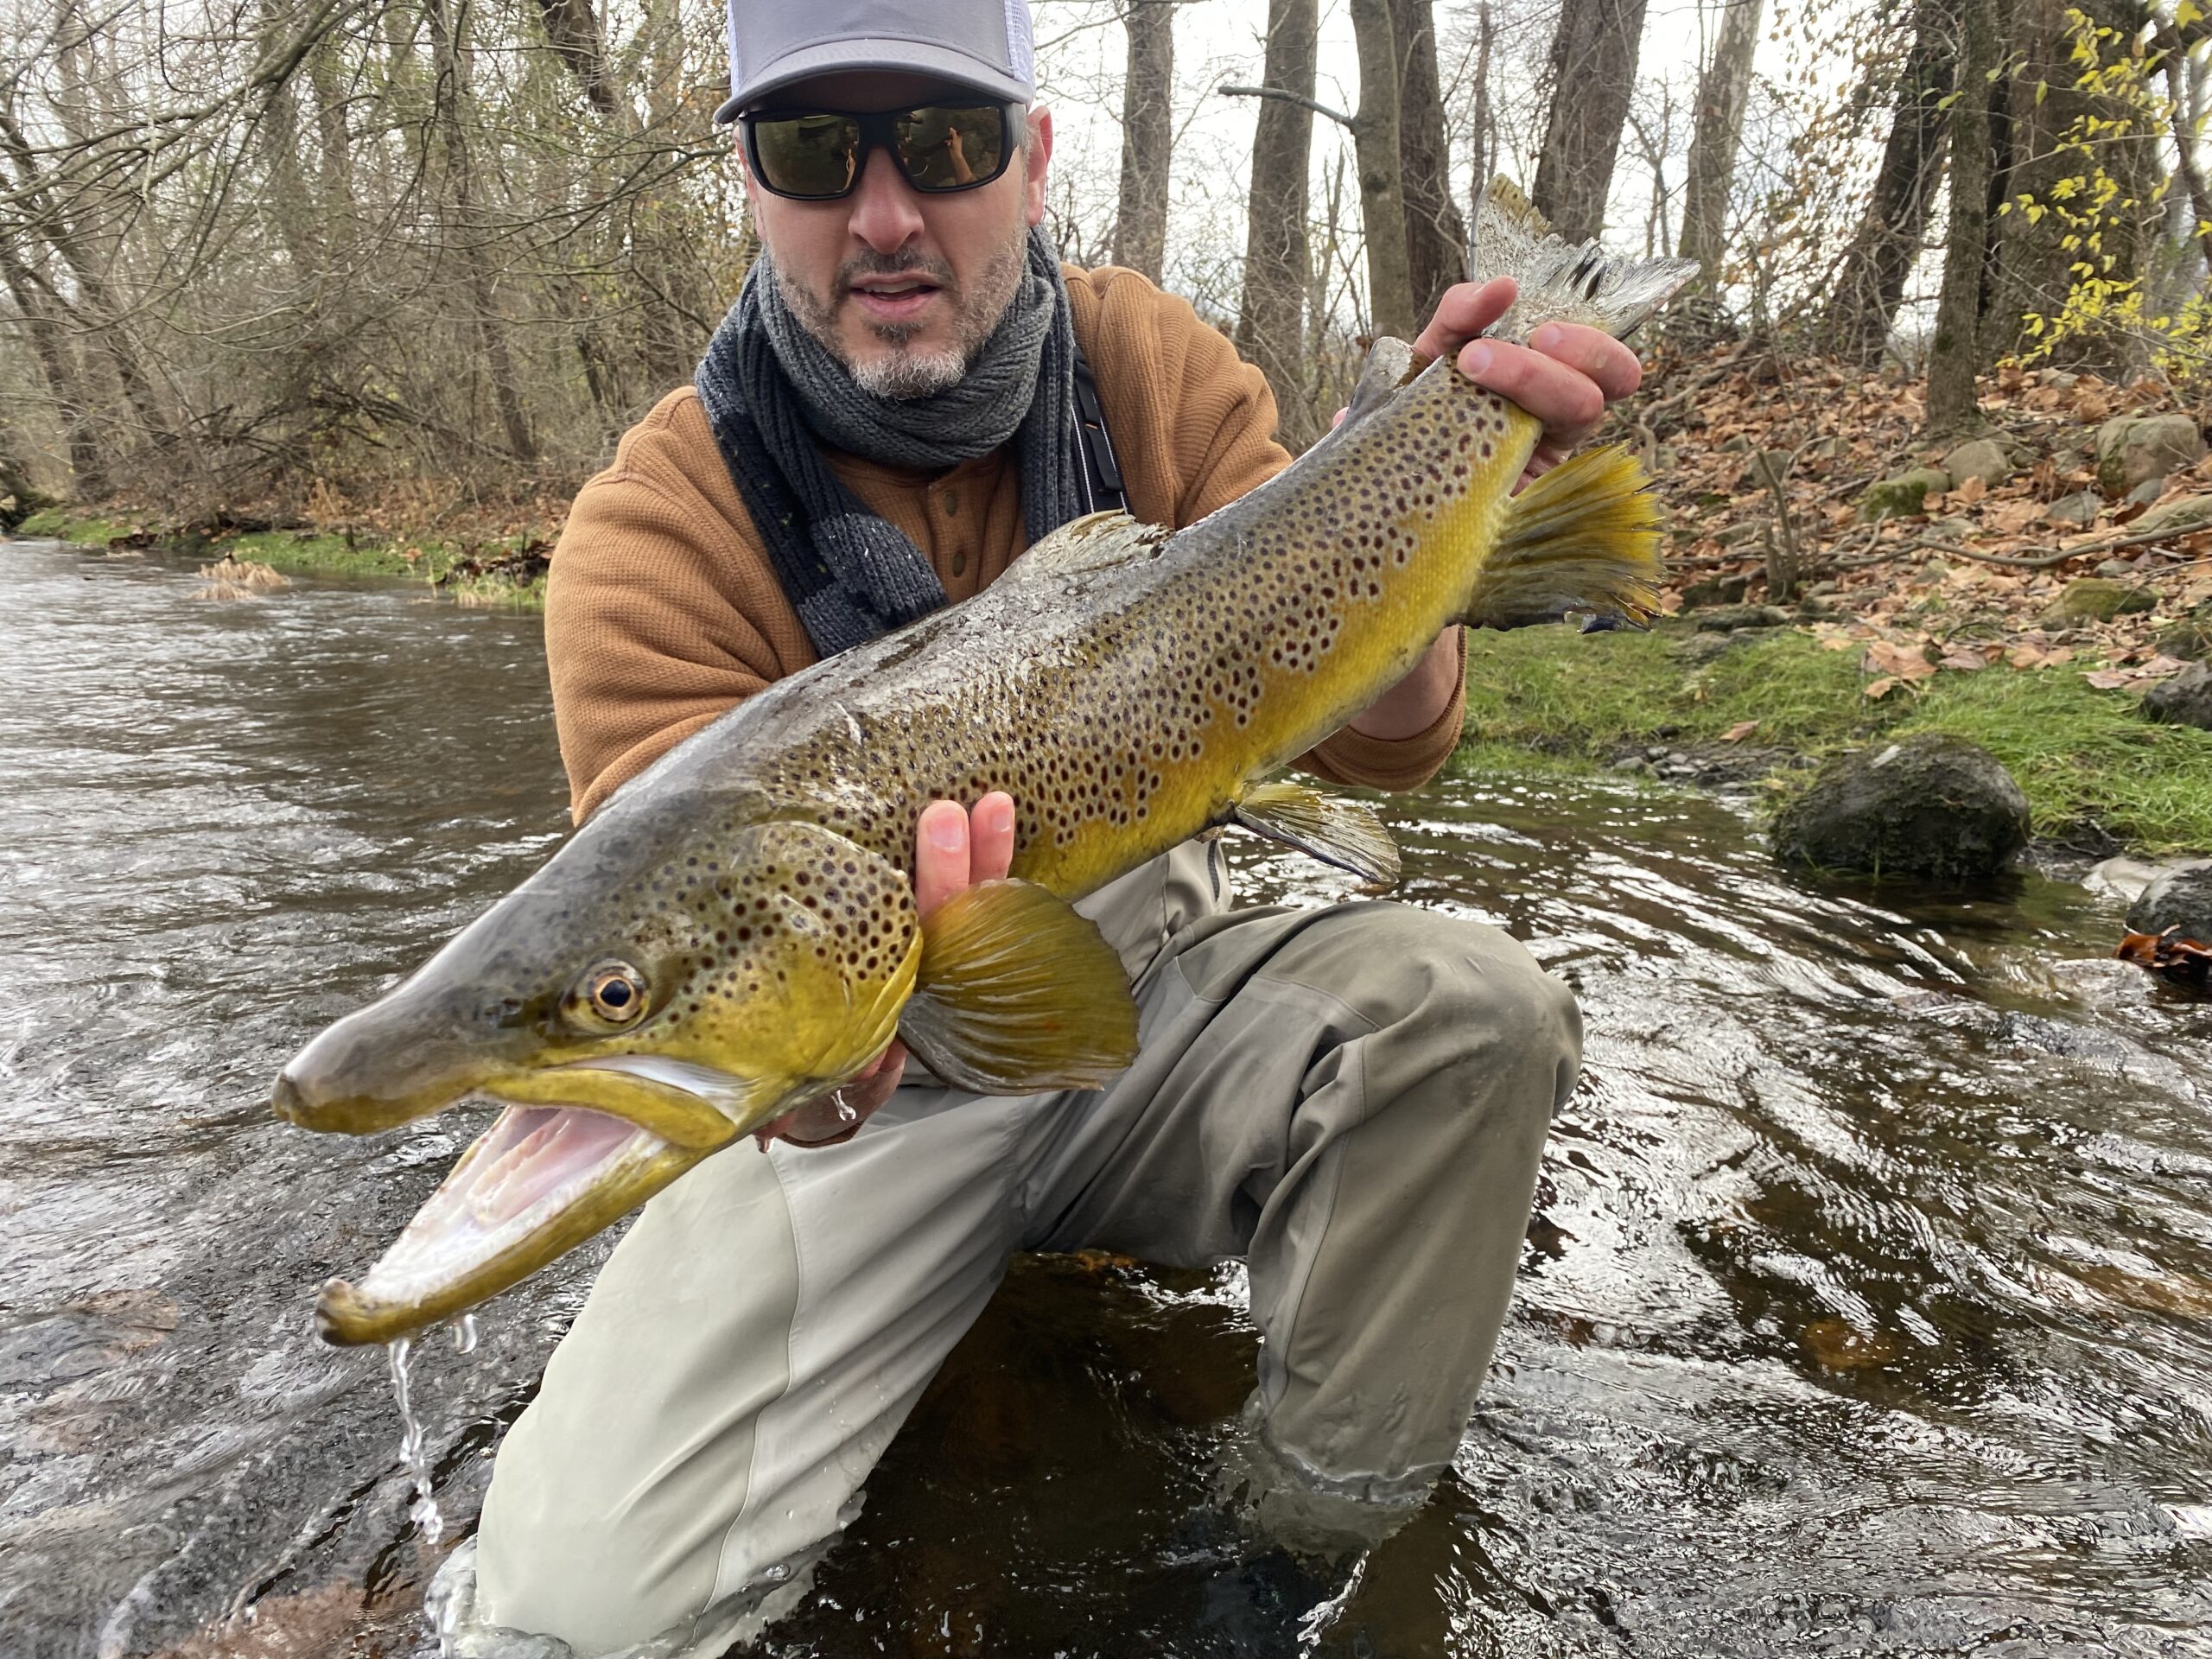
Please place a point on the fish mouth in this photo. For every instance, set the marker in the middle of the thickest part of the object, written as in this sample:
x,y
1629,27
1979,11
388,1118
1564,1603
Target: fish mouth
x,y
545,1177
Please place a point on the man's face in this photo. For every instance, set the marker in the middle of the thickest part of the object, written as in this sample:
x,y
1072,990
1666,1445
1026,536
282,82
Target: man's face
x,y
903,287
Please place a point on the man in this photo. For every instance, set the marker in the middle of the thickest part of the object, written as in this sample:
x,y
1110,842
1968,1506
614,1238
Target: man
x,y
1352,1099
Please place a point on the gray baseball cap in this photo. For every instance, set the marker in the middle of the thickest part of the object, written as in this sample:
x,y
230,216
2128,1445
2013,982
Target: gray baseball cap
x,y
985,44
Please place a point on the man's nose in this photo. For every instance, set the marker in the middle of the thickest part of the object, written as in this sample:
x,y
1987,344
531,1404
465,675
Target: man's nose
x,y
885,212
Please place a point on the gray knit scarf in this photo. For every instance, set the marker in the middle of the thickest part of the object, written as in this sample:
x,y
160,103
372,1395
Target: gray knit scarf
x,y
774,394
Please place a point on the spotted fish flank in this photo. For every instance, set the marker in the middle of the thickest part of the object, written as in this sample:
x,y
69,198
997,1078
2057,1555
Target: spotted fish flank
x,y
734,934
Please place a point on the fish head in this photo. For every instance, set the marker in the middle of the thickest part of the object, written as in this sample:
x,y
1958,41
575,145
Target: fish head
x,y
645,1000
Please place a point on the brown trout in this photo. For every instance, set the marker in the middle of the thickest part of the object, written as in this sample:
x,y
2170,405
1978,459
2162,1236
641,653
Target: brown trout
x,y
734,934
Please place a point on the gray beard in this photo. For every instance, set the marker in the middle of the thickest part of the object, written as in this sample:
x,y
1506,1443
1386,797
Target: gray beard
x,y
901,375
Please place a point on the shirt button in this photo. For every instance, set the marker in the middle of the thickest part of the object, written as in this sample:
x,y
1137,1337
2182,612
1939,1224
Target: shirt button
x,y
960,563
951,503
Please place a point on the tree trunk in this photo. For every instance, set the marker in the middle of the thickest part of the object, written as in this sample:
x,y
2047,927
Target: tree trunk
x,y
1381,185
50,342
572,30
1955,354
1436,237
1593,75
1722,92
1871,278
2188,123
1270,323
1483,139
1147,136
452,96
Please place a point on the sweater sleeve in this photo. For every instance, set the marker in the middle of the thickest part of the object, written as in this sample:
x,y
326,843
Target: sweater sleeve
x,y
654,626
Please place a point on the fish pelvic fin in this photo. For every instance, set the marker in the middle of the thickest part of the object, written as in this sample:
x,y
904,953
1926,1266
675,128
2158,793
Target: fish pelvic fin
x,y
1583,536
1561,281
1018,993
1336,830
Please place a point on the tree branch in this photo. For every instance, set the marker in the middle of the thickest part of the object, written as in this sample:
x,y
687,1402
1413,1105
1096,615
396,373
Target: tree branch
x,y
1337,116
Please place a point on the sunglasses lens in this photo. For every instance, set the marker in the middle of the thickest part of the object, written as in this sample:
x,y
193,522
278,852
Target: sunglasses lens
x,y
807,154
950,149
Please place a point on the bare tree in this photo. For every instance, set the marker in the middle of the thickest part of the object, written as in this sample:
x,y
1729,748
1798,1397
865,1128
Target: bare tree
x,y
1270,322
1723,89
1593,75
1436,237
1375,144
1955,354
1871,277
1147,136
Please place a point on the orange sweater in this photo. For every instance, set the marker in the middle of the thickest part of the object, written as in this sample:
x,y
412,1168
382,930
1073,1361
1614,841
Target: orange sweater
x,y
663,612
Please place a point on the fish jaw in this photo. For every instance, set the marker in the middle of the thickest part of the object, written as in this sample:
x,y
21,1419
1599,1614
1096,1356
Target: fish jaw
x,y
540,1181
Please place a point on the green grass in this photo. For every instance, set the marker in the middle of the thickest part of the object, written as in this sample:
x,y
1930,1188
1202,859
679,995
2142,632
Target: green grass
x,y
2083,756
299,552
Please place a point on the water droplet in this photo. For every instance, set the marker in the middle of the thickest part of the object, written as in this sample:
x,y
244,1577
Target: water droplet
x,y
423,1511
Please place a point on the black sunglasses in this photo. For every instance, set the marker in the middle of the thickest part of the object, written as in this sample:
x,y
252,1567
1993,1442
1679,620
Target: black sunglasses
x,y
819,155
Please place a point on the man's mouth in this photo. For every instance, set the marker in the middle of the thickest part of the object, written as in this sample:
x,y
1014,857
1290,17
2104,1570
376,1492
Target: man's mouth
x,y
893,299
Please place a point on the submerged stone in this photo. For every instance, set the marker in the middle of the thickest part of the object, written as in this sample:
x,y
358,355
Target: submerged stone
x,y
1926,805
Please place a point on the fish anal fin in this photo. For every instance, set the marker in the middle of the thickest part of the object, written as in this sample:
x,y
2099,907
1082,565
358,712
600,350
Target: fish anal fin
x,y
1344,833
1018,993
1583,536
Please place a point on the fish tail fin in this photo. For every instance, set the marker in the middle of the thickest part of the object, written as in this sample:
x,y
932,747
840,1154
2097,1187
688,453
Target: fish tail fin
x,y
1564,281
1583,536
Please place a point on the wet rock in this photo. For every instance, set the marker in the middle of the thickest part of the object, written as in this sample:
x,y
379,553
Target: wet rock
x,y
2185,700
2098,598
2180,899
1927,805
1981,458
1902,496
2131,448
1717,590
1727,619
2081,508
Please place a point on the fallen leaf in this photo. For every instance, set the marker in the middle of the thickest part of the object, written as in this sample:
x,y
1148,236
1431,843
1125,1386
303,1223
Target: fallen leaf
x,y
1739,731
1968,662
2110,679
1968,490
1877,689
2028,657
1904,662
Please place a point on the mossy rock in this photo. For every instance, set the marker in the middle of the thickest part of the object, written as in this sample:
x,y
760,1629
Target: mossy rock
x,y
2133,448
2190,638
1903,496
2099,598
1927,805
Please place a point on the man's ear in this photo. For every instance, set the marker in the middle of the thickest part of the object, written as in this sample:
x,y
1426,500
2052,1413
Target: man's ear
x,y
1037,156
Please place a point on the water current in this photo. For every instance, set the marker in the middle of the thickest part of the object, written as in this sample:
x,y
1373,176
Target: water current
x,y
1867,1308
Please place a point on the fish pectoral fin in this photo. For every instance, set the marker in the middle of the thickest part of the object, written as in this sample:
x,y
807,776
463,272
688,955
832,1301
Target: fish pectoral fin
x,y
1346,834
1017,993
1584,537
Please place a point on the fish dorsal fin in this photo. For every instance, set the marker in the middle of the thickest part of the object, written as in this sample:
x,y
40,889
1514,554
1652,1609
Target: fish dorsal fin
x,y
1561,281
1097,541
1328,827
1390,364
1018,993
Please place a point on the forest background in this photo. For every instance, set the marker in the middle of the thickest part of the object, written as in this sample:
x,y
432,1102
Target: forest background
x,y
304,260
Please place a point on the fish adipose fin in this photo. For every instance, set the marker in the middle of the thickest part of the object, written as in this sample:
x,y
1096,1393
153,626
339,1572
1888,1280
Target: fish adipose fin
x,y
1337,831
1017,993
1561,281
1583,536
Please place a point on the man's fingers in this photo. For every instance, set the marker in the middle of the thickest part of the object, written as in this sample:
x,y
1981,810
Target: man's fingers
x,y
1565,400
990,837
1592,351
1465,311
941,855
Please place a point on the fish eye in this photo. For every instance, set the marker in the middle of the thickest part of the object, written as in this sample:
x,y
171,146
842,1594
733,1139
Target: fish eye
x,y
611,996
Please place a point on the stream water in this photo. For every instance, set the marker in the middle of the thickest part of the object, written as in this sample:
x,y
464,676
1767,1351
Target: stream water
x,y
1867,1309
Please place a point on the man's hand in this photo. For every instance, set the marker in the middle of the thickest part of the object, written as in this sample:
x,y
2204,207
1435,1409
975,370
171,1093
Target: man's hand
x,y
1565,376
954,848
